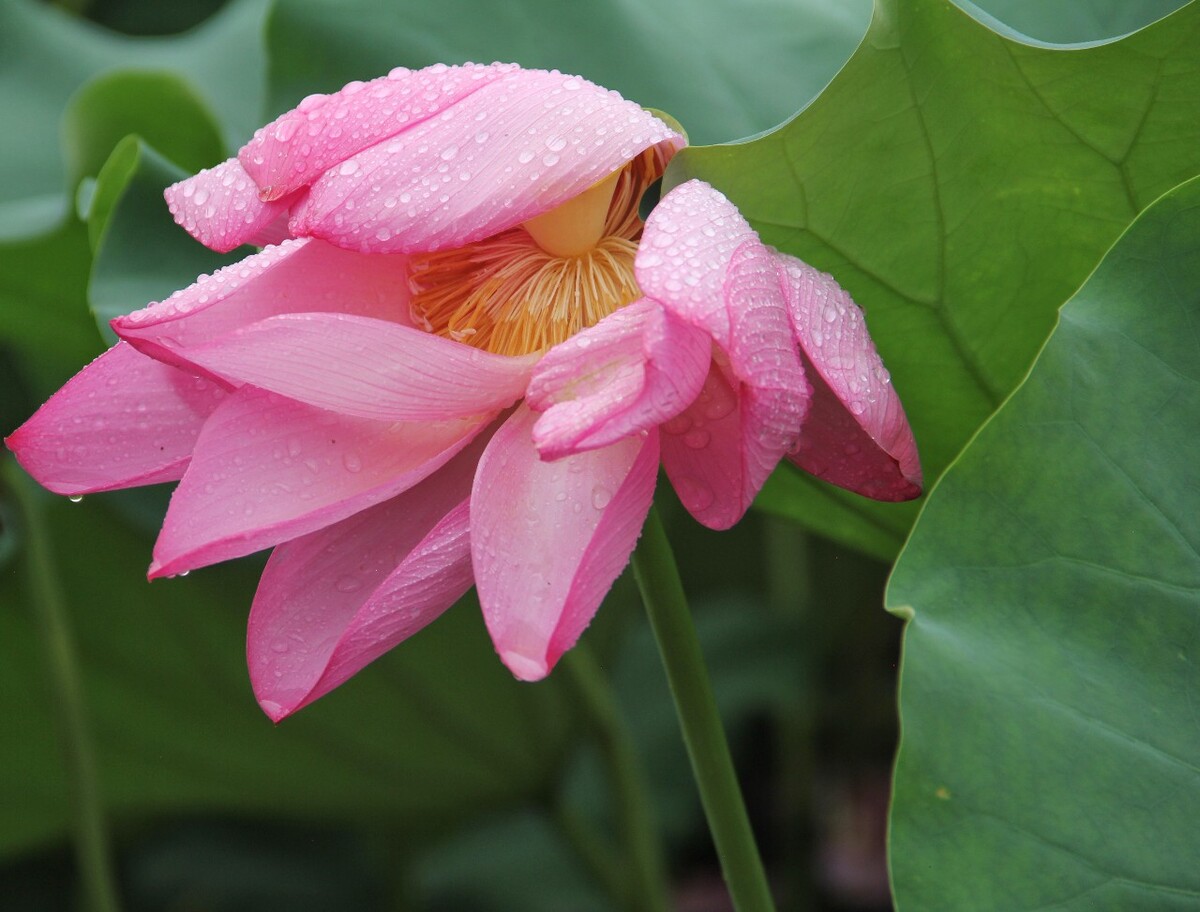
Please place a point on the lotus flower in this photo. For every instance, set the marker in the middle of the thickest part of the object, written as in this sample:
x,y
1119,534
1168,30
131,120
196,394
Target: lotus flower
x,y
462,358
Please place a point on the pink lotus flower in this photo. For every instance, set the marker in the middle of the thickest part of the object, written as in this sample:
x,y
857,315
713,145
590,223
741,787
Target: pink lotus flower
x,y
463,361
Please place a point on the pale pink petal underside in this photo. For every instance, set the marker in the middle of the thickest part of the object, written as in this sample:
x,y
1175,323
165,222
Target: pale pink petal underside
x,y
704,263
304,276
123,420
630,372
324,130
517,147
220,207
365,367
686,248
331,602
856,435
267,469
549,538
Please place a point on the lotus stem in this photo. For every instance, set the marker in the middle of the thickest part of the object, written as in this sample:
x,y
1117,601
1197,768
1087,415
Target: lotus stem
x,y
712,766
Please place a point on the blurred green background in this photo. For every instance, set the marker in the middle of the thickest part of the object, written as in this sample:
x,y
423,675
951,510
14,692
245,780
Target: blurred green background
x,y
432,781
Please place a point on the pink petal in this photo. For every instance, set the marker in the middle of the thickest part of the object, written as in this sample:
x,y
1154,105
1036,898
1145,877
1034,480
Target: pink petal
x,y
123,420
630,372
296,148
856,435
296,277
711,456
703,262
334,601
365,367
515,148
267,469
548,539
220,207
685,252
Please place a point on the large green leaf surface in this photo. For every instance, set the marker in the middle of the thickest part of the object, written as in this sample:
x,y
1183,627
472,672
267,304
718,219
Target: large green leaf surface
x,y
689,59
431,733
961,185
46,56
1051,677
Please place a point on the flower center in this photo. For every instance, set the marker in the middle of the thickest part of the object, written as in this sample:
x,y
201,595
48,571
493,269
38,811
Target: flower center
x,y
536,285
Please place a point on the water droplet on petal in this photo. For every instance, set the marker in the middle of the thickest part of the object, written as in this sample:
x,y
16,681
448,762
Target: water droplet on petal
x,y
75,498
348,583
601,497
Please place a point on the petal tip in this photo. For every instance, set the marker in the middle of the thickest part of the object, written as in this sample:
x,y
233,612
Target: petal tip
x,y
274,711
523,667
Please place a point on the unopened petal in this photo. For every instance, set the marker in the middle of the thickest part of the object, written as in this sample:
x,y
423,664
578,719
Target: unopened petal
x,y
124,420
630,372
549,538
516,148
705,264
267,469
712,455
366,367
856,435
296,148
331,602
220,207
302,276
684,256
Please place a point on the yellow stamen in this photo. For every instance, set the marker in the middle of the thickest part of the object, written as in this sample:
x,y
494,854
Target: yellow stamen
x,y
533,286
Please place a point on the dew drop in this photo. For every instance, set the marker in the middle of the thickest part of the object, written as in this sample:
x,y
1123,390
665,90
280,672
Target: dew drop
x,y
680,424
697,439
348,583
352,462
75,498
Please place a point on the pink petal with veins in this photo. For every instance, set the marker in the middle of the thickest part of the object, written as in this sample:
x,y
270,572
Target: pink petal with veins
x,y
220,207
365,367
267,469
635,369
123,420
704,263
549,538
324,130
333,601
519,146
857,435
302,276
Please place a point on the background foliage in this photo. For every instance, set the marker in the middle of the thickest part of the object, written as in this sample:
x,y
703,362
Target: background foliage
x,y
963,182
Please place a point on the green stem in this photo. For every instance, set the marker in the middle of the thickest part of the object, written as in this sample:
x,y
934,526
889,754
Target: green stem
x,y
658,578
645,860
91,837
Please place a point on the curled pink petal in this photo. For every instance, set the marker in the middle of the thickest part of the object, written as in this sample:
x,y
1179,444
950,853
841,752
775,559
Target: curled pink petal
x,y
635,369
519,146
331,602
123,420
220,207
857,435
705,264
267,469
324,130
549,538
686,248
710,459
366,367
295,277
